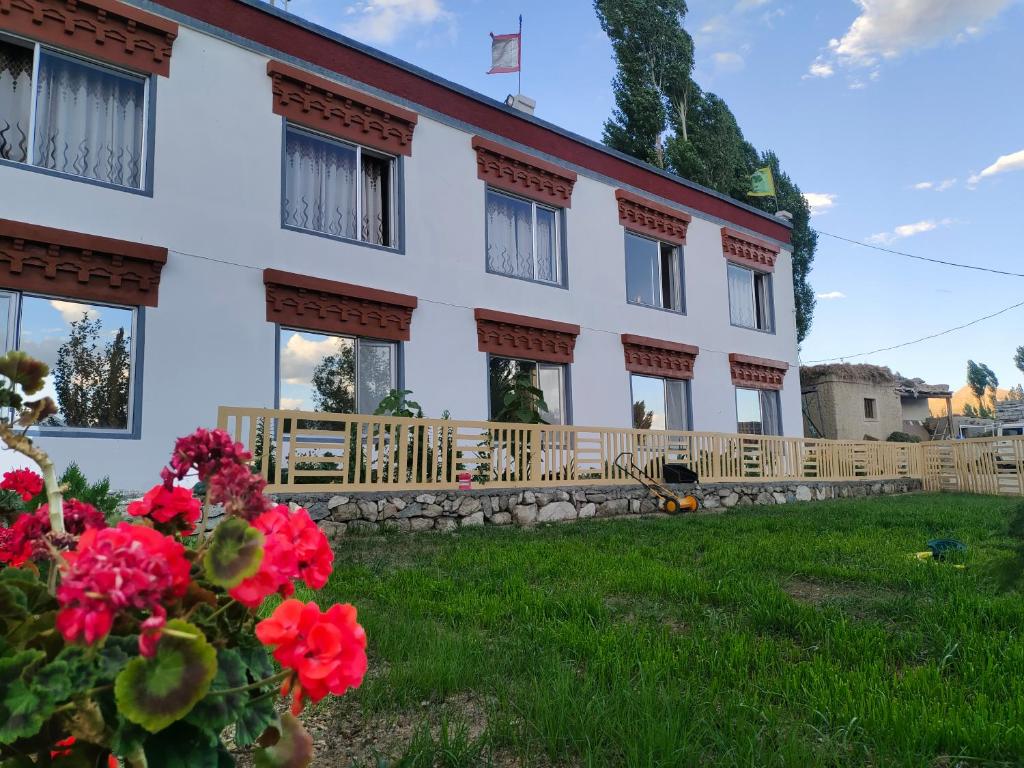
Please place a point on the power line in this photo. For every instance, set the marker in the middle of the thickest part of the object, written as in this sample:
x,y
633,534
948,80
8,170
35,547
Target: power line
x,y
923,338
920,258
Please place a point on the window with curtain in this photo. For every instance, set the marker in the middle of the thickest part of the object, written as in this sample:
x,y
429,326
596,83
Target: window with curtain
x,y
90,351
549,378
339,189
750,298
659,403
89,119
758,412
523,238
336,374
654,273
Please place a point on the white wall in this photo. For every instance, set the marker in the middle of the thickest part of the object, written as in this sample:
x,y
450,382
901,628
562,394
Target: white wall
x,y
217,199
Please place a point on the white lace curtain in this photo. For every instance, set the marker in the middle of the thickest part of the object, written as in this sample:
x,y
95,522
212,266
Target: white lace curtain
x,y
509,235
15,101
89,121
741,297
376,200
320,185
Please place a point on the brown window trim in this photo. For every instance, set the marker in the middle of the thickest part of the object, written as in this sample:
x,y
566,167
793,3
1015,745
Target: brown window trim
x,y
656,357
314,304
108,30
749,251
646,217
522,174
757,372
326,106
530,338
57,262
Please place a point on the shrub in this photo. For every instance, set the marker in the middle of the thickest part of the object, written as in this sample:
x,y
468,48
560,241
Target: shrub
x,y
902,437
141,642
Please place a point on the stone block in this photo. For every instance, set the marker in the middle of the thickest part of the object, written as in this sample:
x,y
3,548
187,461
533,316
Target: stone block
x,y
556,512
525,514
473,520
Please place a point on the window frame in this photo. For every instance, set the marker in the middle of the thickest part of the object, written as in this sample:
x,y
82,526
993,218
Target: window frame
x,y
687,412
680,260
397,362
136,351
561,248
870,409
149,81
761,393
565,376
396,208
769,292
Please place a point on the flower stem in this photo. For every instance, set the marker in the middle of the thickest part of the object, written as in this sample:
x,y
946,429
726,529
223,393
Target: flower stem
x,y
221,610
272,680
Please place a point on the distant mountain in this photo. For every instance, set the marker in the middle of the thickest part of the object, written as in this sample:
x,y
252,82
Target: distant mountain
x,y
961,397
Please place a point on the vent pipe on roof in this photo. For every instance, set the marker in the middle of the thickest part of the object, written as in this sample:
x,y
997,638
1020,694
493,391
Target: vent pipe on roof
x,y
520,102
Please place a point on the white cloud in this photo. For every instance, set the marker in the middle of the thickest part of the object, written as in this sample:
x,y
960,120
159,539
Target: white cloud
x,y
937,186
820,202
1005,164
382,21
887,29
749,5
820,68
300,355
292,403
924,185
909,230
831,295
728,61
71,311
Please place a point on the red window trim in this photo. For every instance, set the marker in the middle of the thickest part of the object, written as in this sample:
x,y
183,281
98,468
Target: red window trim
x,y
749,251
522,174
530,338
647,217
315,304
656,357
107,30
757,372
326,106
57,262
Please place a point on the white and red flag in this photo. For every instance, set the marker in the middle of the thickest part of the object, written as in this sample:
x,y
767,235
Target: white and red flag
x,y
507,52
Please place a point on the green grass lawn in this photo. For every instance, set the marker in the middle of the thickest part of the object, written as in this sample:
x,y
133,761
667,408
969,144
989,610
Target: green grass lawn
x,y
802,635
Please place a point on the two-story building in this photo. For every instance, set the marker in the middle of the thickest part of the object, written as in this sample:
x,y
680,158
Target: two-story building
x,y
209,202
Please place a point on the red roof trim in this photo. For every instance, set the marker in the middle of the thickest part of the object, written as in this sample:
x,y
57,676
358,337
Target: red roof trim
x,y
266,29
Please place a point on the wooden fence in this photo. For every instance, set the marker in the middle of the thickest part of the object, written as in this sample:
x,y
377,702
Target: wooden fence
x,y
993,465
311,451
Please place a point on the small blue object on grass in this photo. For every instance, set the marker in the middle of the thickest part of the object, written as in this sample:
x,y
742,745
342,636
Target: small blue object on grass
x,y
941,548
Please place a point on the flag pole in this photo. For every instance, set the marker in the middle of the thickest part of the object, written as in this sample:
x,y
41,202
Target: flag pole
x,y
520,86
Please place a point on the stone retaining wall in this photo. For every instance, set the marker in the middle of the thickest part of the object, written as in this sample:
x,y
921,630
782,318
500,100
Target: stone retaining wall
x,y
450,510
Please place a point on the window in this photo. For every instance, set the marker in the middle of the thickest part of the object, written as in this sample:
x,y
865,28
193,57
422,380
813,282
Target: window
x,y
338,374
750,298
659,403
757,412
869,408
549,378
654,274
523,239
338,189
90,349
81,118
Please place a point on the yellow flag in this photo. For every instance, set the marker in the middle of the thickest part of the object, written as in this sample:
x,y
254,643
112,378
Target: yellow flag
x,y
762,183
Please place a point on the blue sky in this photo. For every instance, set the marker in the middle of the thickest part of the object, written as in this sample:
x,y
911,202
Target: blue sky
x,y
904,119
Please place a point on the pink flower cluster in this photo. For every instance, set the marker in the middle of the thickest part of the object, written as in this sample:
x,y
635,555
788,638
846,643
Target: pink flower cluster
x,y
28,537
240,490
294,547
23,482
327,651
206,451
117,570
172,508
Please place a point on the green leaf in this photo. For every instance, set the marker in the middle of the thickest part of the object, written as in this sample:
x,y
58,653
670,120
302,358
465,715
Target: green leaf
x,y
257,660
156,692
235,553
29,584
254,720
17,762
294,749
217,711
183,746
22,712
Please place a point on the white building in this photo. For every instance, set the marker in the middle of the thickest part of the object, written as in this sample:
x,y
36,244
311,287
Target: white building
x,y
246,194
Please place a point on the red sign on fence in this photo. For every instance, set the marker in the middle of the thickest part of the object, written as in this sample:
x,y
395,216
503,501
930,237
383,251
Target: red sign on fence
x,y
465,481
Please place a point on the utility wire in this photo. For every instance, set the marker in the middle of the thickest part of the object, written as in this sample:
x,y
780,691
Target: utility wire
x,y
920,258
923,338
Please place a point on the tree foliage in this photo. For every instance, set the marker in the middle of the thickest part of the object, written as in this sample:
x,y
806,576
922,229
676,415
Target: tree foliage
x,y
1018,359
664,118
981,379
92,379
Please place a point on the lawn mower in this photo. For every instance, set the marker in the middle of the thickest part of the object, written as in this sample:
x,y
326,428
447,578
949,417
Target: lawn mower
x,y
667,500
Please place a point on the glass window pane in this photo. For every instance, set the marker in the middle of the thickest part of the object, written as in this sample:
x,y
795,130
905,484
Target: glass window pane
x,y
550,383
741,297
89,349
8,301
642,282
320,185
15,100
89,121
671,278
547,245
648,402
376,373
318,372
748,412
770,413
676,415
762,295
509,235
376,225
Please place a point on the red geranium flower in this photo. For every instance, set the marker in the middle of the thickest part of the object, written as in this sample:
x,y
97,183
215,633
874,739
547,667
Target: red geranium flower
x,y
312,550
28,536
206,451
116,570
175,506
327,651
63,749
23,482
240,490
